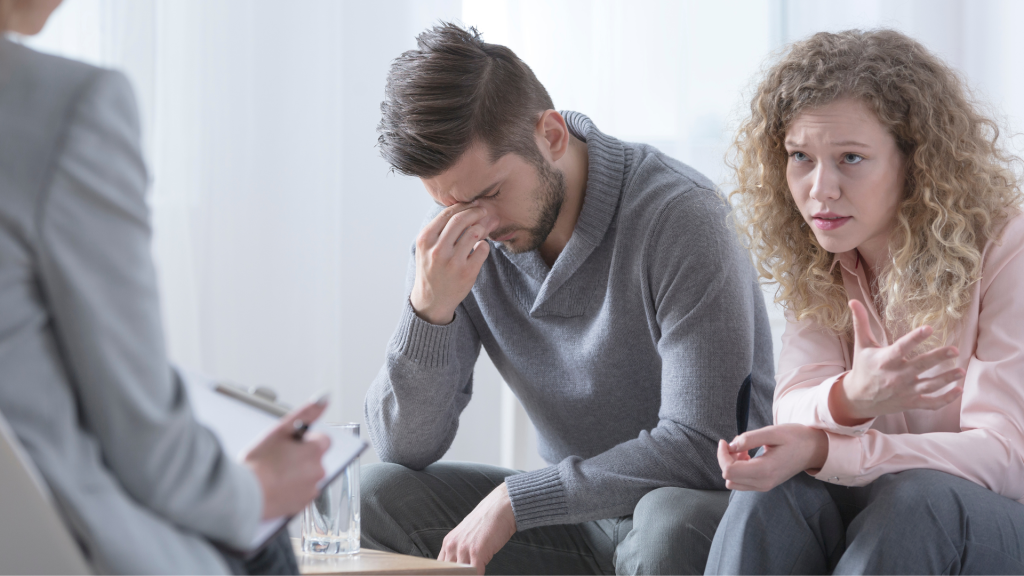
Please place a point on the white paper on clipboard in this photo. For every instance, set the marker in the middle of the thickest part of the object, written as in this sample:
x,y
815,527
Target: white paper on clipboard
x,y
239,426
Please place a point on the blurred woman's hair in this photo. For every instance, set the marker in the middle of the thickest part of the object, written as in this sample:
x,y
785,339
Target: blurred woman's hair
x,y
961,186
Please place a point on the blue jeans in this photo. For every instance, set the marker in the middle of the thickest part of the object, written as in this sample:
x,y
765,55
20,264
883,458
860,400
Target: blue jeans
x,y
914,522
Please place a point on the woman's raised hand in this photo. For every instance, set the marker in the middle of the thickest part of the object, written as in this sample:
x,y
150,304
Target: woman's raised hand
x,y
887,380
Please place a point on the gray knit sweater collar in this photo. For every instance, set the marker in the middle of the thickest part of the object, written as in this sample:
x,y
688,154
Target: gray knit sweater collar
x,y
607,167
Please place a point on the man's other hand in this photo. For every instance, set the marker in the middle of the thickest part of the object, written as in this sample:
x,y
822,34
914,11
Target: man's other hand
x,y
482,533
449,253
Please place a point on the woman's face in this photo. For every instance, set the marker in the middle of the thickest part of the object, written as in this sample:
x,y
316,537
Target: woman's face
x,y
846,175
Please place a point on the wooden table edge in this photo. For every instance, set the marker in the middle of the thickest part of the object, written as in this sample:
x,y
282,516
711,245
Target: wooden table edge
x,y
412,564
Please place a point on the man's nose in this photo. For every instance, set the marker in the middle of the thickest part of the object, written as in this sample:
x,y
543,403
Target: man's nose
x,y
826,182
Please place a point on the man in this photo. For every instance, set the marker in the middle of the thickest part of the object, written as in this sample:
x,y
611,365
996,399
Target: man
x,y
605,284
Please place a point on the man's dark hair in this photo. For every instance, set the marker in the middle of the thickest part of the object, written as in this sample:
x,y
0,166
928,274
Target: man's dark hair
x,y
452,90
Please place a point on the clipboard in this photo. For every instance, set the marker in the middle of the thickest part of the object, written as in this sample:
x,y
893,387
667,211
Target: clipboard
x,y
239,425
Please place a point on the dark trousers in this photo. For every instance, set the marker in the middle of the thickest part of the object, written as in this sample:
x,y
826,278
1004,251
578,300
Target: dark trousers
x,y
411,512
276,557
914,522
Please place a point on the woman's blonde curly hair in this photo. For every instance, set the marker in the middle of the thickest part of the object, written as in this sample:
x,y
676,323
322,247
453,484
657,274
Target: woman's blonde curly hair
x,y
961,186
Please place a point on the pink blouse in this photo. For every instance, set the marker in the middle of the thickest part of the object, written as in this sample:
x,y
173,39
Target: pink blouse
x,y
979,437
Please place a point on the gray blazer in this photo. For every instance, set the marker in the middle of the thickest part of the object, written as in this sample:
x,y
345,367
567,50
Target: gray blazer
x,y
84,377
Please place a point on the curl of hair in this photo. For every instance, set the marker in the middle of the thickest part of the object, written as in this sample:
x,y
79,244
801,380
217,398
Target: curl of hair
x,y
960,185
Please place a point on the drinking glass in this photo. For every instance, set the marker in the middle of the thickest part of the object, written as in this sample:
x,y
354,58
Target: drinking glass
x,y
330,523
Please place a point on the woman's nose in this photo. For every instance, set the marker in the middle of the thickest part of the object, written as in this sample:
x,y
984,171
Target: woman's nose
x,y
826,182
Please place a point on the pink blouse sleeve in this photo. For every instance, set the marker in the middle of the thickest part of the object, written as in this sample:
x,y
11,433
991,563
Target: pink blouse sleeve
x,y
988,450
811,362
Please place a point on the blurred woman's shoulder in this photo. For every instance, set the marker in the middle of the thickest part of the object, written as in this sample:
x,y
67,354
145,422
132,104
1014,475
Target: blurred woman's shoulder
x,y
41,97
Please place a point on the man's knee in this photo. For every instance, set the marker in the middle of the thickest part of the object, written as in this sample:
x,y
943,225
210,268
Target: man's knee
x,y
672,532
380,482
384,491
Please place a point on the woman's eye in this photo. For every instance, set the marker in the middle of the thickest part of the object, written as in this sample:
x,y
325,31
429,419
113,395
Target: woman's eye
x,y
798,156
852,158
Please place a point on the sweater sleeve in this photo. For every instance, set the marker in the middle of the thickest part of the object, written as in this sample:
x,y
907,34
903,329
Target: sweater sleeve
x,y
699,291
412,408
988,449
97,276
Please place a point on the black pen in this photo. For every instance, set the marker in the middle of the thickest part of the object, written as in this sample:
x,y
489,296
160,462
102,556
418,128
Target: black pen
x,y
299,427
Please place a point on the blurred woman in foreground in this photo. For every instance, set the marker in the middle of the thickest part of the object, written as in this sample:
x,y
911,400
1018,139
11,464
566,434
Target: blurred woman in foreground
x,y
84,378
877,197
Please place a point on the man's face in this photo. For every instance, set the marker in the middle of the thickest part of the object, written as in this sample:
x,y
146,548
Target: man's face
x,y
524,197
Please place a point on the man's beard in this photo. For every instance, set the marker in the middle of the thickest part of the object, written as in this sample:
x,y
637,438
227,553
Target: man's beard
x,y
550,196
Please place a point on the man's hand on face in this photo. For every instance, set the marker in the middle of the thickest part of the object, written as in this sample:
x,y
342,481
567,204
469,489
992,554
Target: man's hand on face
x,y
449,253
482,533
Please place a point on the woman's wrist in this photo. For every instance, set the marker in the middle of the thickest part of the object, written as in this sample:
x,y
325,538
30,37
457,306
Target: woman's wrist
x,y
842,407
818,454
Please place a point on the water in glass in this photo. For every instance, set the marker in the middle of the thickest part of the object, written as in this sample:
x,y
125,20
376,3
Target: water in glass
x,y
330,524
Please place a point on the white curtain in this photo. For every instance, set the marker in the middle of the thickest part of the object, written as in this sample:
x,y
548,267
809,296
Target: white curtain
x,y
280,238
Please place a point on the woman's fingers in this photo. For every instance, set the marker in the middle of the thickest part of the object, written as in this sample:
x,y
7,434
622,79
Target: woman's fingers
x,y
862,336
905,345
741,487
767,436
936,402
936,383
725,458
307,414
931,359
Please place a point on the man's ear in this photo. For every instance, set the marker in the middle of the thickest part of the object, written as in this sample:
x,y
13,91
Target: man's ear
x,y
552,135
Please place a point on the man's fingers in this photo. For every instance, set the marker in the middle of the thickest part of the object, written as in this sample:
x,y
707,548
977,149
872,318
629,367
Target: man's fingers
x,y
432,231
905,345
466,243
862,336
477,562
457,227
480,251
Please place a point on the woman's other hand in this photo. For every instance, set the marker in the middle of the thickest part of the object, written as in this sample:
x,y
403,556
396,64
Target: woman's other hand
x,y
788,450
288,469
887,380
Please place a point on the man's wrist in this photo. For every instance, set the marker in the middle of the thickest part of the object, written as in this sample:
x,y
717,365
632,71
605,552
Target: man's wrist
x,y
432,316
505,509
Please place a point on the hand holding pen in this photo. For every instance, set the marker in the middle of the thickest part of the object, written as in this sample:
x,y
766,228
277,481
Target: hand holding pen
x,y
286,461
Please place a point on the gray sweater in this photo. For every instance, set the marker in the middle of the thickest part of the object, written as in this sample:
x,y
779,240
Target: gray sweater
x,y
628,354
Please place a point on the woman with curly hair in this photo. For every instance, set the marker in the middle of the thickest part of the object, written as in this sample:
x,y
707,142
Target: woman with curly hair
x,y
877,197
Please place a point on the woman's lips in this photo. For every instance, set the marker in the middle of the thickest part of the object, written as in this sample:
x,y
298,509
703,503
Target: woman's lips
x,y
830,223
